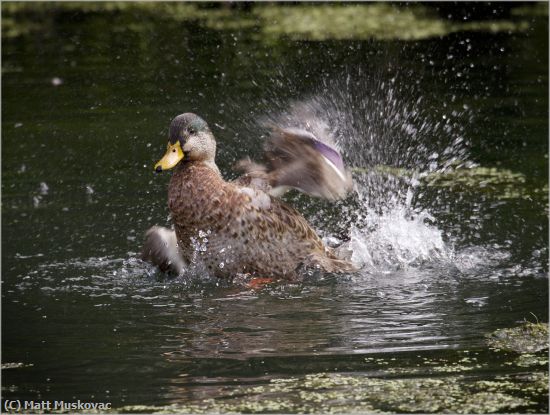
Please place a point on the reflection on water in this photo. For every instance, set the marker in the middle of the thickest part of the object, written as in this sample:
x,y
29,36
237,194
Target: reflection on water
x,y
448,218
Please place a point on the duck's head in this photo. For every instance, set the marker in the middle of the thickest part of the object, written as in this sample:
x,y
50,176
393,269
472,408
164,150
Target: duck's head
x,y
190,140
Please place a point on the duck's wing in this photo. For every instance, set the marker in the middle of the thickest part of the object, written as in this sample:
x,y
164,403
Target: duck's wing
x,y
295,158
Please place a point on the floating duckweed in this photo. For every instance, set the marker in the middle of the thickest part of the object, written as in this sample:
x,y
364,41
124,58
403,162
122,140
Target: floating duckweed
x,y
367,21
454,368
490,402
304,22
527,338
537,9
501,183
340,393
529,359
169,409
479,177
13,28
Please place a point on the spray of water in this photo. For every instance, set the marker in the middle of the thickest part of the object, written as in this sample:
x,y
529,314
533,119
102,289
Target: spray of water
x,y
391,138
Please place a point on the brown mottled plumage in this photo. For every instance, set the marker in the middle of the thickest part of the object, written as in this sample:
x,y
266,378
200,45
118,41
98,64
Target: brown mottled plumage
x,y
231,227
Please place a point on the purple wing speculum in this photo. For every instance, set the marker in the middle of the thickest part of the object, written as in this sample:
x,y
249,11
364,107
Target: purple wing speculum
x,y
324,149
331,154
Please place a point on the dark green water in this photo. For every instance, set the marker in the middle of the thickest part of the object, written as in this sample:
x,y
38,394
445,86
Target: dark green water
x,y
85,319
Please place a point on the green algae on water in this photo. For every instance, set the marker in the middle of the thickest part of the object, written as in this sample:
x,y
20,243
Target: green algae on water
x,y
539,9
382,21
341,393
527,338
501,183
435,382
313,22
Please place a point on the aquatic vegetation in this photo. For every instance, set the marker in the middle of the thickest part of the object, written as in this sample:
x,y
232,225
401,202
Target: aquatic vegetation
x,y
526,338
414,389
302,22
341,393
476,177
13,27
529,359
367,21
499,182
538,9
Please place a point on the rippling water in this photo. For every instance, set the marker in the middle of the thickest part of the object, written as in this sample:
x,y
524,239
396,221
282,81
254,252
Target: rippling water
x,y
448,218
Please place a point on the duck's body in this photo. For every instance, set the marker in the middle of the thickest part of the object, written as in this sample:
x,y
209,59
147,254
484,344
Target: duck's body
x,y
238,227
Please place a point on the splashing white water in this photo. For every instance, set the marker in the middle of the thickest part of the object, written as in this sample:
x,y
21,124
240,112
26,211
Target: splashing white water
x,y
396,239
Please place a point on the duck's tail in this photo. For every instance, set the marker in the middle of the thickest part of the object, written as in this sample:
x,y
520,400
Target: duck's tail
x,y
161,249
329,262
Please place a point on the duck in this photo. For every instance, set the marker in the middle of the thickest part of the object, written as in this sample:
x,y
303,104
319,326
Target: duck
x,y
243,227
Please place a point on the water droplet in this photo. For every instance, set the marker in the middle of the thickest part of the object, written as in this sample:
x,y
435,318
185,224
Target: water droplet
x,y
44,188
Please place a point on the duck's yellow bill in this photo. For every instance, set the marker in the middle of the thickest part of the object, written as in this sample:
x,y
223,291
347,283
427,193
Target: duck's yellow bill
x,y
173,155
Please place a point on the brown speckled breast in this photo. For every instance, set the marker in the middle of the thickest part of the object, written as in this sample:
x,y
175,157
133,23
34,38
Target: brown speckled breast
x,y
235,229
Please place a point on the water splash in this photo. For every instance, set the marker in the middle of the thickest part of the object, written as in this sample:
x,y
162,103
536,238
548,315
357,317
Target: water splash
x,y
391,137
396,240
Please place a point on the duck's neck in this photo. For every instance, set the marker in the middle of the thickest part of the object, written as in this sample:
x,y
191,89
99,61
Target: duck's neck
x,y
211,164
193,184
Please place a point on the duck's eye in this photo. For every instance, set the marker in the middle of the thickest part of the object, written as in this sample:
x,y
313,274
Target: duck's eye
x,y
192,131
